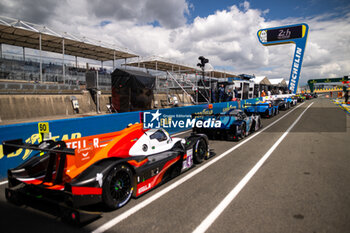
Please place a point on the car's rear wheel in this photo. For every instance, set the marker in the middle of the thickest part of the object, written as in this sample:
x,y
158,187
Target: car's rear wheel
x,y
117,187
200,151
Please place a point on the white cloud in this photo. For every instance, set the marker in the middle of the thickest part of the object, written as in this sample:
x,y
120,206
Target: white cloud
x,y
228,37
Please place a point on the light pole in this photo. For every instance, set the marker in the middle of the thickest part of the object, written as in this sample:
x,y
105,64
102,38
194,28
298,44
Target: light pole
x,y
201,64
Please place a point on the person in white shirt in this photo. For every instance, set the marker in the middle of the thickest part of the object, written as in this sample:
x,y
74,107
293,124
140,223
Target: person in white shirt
x,y
269,93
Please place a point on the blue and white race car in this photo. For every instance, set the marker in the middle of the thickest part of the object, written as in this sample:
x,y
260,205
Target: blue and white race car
x,y
265,109
235,125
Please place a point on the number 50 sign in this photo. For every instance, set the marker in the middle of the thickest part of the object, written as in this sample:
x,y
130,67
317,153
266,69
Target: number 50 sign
x,y
296,34
43,127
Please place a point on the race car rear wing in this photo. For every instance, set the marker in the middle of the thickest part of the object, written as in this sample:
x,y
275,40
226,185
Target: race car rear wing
x,y
11,146
54,150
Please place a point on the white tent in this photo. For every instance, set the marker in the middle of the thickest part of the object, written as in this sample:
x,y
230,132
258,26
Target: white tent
x,y
279,82
261,80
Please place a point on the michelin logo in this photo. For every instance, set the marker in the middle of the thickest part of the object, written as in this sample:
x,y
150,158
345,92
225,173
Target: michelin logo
x,y
263,36
295,70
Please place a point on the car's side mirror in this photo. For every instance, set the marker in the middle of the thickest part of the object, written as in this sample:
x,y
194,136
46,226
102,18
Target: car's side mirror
x,y
183,141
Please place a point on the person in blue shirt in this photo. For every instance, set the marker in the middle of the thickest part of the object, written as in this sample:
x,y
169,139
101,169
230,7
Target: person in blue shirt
x,y
236,93
221,93
229,95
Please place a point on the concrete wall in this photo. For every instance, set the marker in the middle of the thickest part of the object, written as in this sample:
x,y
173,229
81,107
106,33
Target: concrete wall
x,y
16,107
31,106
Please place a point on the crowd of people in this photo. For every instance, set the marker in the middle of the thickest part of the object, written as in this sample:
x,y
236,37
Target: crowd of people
x,y
224,95
272,92
220,95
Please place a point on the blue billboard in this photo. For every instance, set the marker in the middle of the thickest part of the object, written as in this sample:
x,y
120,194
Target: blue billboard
x,y
87,126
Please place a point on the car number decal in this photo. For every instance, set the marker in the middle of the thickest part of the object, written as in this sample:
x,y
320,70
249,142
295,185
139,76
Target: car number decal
x,y
189,160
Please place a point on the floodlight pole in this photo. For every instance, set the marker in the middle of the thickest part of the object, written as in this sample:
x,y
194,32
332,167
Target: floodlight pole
x,y
63,69
41,65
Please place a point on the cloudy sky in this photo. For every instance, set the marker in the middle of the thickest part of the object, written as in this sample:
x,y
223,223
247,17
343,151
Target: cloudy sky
x,y
224,31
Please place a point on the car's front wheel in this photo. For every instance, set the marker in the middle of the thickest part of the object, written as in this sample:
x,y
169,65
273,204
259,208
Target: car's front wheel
x,y
200,150
243,131
117,188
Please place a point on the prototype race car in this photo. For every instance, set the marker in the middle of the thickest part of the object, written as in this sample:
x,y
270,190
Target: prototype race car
x,y
235,125
282,104
299,98
265,109
292,102
108,168
308,96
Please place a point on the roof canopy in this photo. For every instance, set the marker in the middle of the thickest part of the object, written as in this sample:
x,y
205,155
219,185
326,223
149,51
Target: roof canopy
x,y
261,80
24,34
278,82
161,64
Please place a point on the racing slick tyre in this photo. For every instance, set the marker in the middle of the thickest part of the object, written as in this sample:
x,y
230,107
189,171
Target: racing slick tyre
x,y
259,123
117,187
243,131
200,151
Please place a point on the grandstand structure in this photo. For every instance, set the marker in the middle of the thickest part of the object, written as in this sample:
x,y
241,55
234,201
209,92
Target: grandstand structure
x,y
44,39
58,69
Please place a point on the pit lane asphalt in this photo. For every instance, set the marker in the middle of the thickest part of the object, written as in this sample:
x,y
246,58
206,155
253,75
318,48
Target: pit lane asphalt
x,y
302,187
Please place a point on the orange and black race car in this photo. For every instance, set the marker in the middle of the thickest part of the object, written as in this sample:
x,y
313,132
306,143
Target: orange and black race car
x,y
108,168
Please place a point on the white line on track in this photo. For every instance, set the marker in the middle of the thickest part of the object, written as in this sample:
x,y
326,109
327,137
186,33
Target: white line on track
x,y
208,221
149,200
3,182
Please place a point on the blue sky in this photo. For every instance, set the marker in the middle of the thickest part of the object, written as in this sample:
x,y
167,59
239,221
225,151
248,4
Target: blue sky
x,y
278,9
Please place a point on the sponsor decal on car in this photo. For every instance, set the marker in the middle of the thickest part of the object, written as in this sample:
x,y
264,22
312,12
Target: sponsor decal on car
x,y
188,160
144,188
